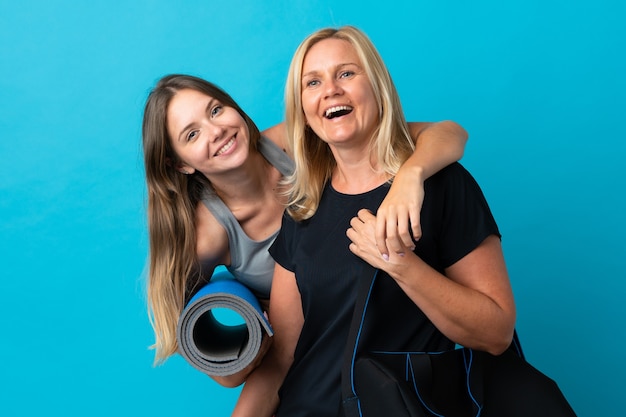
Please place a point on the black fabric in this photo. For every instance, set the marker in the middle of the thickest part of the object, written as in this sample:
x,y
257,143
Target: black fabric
x,y
455,219
457,383
325,272
382,379
453,383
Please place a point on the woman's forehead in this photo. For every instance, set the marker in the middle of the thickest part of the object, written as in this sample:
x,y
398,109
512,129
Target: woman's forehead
x,y
330,52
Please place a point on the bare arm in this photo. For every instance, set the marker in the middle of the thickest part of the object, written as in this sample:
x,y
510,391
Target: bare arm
x,y
277,134
212,250
472,304
437,146
259,396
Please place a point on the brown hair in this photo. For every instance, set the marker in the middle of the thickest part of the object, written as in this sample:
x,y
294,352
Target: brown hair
x,y
172,201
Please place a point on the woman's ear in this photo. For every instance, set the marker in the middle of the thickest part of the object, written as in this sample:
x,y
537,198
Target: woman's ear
x,y
185,169
182,168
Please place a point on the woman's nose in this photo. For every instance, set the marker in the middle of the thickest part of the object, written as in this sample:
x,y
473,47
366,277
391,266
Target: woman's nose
x,y
216,131
332,88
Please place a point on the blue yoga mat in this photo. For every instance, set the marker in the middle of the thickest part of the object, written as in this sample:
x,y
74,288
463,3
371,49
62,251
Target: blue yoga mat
x,y
216,348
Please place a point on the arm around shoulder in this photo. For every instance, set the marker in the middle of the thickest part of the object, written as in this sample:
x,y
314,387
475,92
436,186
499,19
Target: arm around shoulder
x,y
437,146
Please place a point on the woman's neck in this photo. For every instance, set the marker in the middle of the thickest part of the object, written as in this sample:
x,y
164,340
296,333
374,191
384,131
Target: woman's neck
x,y
356,171
250,193
250,182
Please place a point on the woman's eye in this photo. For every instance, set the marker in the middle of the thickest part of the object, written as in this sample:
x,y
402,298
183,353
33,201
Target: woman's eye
x,y
311,83
192,135
346,74
216,110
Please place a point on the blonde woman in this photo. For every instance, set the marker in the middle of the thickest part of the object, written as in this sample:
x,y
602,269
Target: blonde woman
x,y
349,141
215,197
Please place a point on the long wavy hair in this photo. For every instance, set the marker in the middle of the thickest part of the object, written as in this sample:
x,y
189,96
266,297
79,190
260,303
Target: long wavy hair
x,y
391,144
172,199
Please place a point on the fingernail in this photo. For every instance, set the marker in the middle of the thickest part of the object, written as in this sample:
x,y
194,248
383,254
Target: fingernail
x,y
386,257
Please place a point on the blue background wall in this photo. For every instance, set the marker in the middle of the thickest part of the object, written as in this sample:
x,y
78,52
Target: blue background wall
x,y
539,85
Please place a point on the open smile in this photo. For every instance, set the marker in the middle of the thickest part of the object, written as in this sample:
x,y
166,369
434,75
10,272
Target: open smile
x,y
337,111
226,147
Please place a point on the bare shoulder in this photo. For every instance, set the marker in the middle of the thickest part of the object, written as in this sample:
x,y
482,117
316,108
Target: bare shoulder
x,y
211,237
277,134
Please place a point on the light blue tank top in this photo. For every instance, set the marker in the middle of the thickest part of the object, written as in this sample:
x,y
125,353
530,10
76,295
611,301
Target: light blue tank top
x,y
250,261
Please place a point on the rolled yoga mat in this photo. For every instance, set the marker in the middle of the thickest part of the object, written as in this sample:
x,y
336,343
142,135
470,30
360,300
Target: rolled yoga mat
x,y
216,348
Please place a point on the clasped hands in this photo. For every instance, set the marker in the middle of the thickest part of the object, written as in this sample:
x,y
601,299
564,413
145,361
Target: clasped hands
x,y
374,243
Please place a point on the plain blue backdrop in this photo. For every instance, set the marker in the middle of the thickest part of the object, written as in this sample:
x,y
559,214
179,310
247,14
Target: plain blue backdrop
x,y
539,85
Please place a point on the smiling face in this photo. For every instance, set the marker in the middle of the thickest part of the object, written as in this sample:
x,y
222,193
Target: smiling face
x,y
205,134
337,97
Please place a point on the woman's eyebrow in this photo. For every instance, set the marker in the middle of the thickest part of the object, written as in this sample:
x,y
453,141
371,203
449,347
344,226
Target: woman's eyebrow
x,y
337,67
206,110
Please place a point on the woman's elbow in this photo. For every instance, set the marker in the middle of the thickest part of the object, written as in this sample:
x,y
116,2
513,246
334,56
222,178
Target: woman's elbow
x,y
456,129
497,349
501,341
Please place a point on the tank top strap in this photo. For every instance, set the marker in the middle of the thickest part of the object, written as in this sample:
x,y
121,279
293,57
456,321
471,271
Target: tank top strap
x,y
276,156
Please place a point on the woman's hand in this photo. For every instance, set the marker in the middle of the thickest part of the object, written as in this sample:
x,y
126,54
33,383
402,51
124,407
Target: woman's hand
x,y
437,146
472,304
364,244
398,217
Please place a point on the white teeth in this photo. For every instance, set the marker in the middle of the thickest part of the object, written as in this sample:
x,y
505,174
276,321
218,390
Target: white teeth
x,y
336,109
225,147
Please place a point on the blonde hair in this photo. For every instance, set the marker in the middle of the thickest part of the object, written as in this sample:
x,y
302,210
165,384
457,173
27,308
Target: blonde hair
x,y
174,269
391,144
